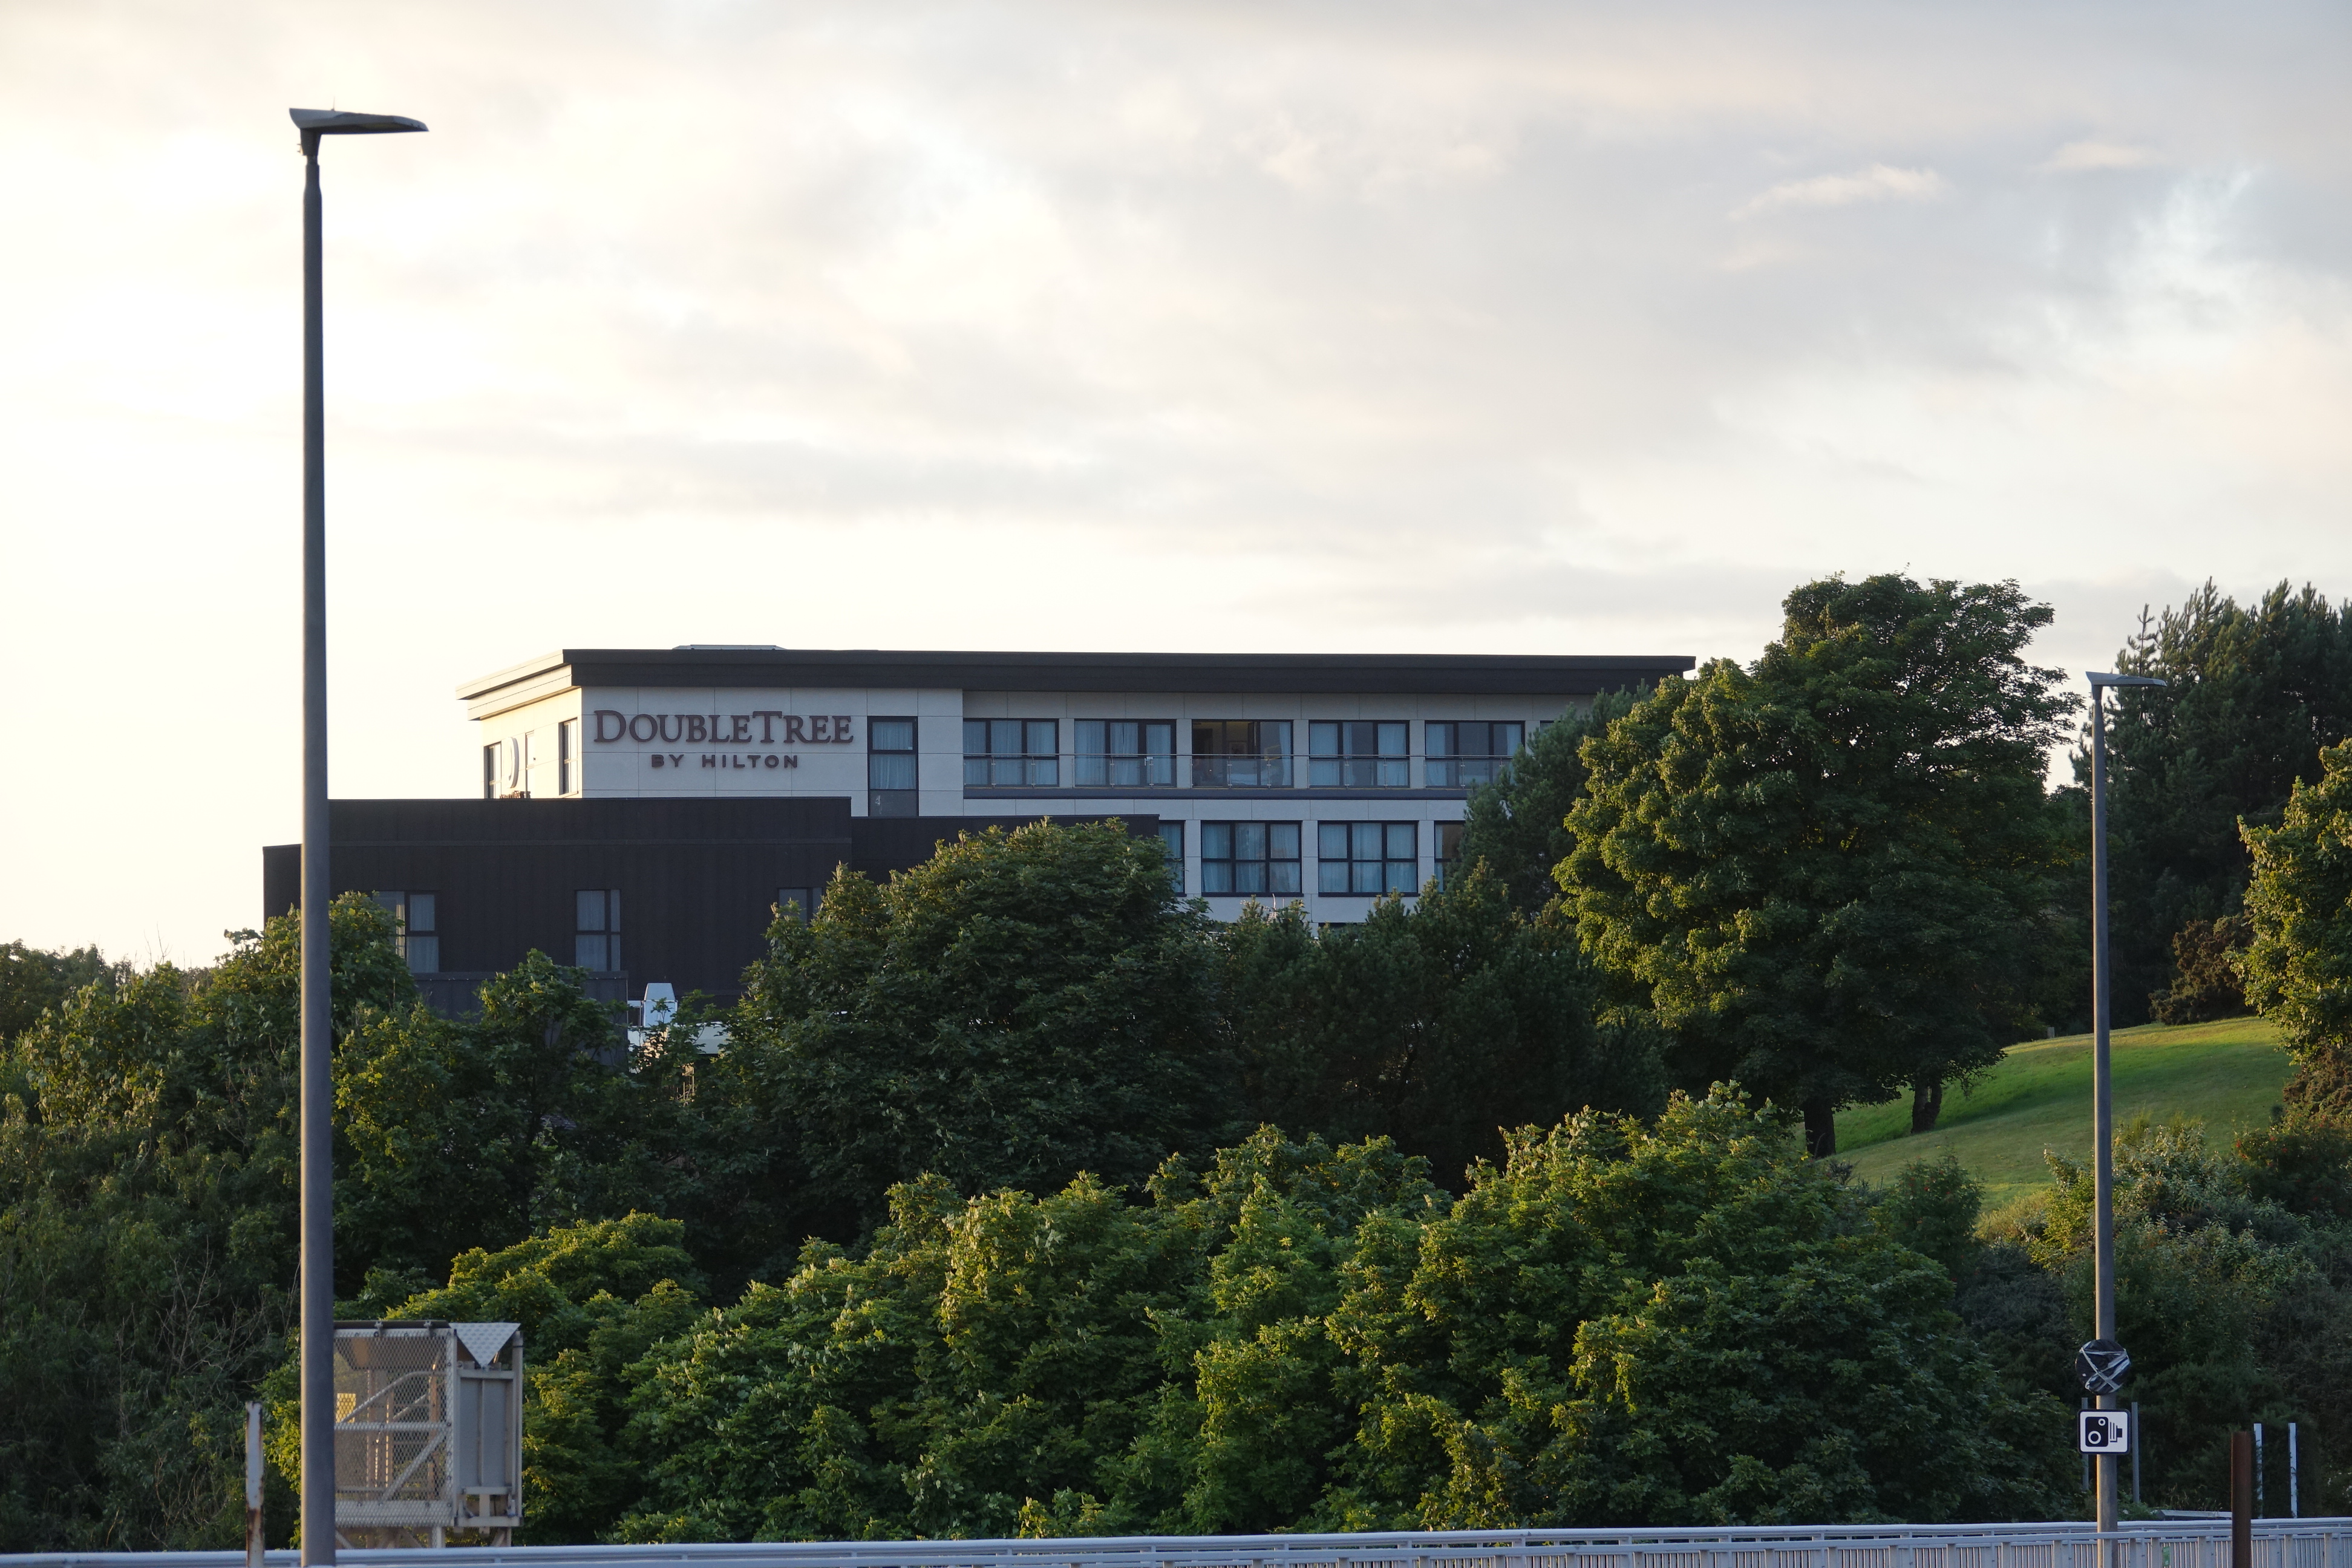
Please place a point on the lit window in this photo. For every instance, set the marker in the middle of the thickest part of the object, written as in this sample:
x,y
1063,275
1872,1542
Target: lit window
x,y
1352,755
1171,834
596,930
420,939
1005,751
1128,753
890,777
1241,753
1244,859
1368,857
1462,755
567,757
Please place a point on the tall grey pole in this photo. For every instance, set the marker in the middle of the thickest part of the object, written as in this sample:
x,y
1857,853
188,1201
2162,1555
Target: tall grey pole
x,y
2102,1109
318,1312
2103,1105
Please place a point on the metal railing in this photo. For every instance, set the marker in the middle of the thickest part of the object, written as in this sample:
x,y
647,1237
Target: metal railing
x,y
2168,1543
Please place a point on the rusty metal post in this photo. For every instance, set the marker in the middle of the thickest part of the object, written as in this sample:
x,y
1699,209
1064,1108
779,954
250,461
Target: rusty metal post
x,y
253,1542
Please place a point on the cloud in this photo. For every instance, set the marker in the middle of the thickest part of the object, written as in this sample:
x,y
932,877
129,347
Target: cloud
x,y
2082,157
1879,183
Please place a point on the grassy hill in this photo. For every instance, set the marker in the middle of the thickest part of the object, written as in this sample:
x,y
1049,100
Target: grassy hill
x,y
2038,1098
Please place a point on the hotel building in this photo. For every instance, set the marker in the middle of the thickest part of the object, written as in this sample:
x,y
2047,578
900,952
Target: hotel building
x,y
640,810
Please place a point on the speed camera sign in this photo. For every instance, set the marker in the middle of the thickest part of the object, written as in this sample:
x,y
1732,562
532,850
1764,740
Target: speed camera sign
x,y
2103,1432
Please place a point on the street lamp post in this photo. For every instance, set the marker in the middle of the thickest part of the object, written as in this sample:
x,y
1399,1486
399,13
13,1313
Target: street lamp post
x,y
2103,1111
318,1288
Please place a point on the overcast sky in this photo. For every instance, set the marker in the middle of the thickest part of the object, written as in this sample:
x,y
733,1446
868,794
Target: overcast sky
x,y
1455,328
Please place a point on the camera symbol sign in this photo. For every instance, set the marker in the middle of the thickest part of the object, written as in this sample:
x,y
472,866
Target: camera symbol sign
x,y
2103,1432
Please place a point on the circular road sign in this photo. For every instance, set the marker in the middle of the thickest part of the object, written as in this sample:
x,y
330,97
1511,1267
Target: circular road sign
x,y
2102,1365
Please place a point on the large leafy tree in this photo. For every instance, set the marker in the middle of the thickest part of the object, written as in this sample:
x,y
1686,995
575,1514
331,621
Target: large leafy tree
x,y
1021,1007
2254,693
1823,873
2298,969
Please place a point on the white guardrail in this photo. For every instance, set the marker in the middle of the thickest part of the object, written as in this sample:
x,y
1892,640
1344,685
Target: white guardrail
x,y
2166,1543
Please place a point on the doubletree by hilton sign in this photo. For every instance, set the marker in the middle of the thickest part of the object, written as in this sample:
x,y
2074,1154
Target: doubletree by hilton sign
x,y
773,726
725,729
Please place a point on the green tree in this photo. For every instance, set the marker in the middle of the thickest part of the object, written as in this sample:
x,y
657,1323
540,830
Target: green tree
x,y
1518,824
1022,1006
1434,1025
33,981
2298,968
1685,1324
1823,873
147,1224
2253,694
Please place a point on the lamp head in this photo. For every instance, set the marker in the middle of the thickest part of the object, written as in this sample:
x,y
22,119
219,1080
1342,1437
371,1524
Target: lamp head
x,y
2099,677
316,122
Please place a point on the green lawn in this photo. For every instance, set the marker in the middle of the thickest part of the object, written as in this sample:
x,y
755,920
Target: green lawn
x,y
2038,1098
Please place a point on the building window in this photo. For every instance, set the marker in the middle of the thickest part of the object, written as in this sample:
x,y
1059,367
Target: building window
x,y
1449,851
890,768
1352,755
420,937
799,904
1002,752
506,768
1127,753
1241,753
567,757
1368,857
1462,755
596,930
1241,858
1171,834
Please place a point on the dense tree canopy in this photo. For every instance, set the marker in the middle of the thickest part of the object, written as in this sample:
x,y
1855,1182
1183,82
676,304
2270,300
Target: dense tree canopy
x,y
2298,969
1435,1025
1019,1008
1823,874
1685,1322
2252,695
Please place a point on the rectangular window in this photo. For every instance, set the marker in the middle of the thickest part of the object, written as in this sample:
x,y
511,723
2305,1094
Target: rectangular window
x,y
1134,753
596,930
1371,755
1171,834
890,777
420,936
1006,752
1463,754
798,903
567,757
1242,859
490,771
1241,753
1449,851
1368,857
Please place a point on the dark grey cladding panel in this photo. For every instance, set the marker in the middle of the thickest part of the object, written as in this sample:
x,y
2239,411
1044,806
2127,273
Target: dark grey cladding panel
x,y
1532,674
815,820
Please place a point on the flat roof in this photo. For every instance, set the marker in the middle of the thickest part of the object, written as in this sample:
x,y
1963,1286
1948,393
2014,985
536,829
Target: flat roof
x,y
1455,674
